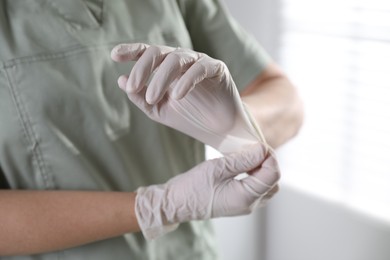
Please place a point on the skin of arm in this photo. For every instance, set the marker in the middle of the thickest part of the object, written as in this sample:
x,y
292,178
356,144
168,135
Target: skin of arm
x,y
275,104
42,221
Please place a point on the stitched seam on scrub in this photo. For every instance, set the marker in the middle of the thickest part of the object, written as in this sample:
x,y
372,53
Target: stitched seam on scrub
x,y
70,51
31,138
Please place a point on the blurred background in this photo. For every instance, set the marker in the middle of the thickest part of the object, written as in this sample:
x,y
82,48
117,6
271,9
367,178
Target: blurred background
x,y
334,201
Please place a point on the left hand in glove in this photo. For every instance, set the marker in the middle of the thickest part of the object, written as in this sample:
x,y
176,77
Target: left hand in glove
x,y
209,190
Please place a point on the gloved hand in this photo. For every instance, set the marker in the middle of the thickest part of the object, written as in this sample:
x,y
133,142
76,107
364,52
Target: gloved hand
x,y
189,92
209,190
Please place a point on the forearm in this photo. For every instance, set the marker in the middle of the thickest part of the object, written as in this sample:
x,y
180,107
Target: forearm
x,y
276,106
41,221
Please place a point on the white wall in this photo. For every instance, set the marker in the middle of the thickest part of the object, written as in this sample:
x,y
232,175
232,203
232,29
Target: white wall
x,y
305,227
296,225
261,18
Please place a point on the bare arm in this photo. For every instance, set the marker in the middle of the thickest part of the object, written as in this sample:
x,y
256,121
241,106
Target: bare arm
x,y
275,104
42,221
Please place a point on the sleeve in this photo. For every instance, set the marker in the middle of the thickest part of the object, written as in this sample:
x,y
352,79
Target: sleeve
x,y
214,31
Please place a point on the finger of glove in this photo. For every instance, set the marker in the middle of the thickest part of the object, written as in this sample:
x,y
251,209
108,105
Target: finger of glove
x,y
170,69
244,161
144,67
264,178
122,81
128,51
269,171
262,200
138,99
204,68
269,194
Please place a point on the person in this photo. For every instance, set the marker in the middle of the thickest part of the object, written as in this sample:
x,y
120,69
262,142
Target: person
x,y
83,168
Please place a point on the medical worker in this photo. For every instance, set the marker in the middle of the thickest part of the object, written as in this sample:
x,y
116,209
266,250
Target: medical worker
x,y
92,171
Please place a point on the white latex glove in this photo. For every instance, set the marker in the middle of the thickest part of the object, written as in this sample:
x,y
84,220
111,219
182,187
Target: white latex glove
x,y
190,92
209,190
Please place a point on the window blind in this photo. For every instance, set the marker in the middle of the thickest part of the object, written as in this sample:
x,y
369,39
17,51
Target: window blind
x,y
338,55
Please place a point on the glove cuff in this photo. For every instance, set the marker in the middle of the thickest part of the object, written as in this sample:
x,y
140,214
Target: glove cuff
x,y
254,124
149,203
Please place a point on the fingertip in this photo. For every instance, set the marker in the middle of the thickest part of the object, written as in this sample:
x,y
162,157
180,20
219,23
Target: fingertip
x,y
125,84
127,52
156,91
257,152
122,81
248,159
268,172
150,98
116,53
244,160
272,165
131,87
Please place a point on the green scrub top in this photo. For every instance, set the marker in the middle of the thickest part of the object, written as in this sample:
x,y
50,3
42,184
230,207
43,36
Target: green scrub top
x,y
64,123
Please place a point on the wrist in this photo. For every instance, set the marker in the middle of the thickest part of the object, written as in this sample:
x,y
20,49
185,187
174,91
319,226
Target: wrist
x,y
153,212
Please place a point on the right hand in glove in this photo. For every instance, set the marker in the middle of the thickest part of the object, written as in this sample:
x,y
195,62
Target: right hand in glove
x,y
190,92
209,190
